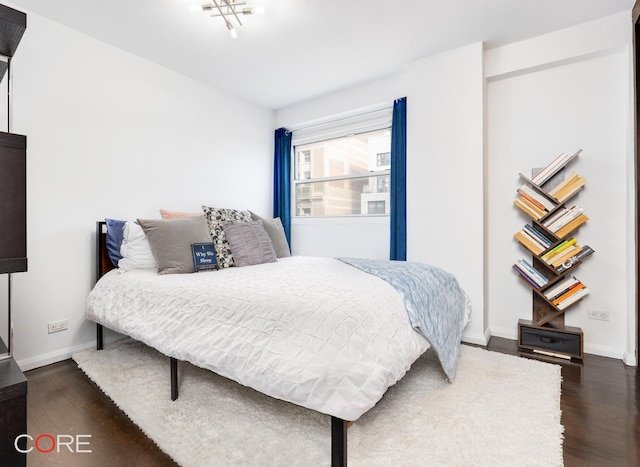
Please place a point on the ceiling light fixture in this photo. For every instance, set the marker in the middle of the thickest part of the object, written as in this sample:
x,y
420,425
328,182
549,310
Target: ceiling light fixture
x,y
226,9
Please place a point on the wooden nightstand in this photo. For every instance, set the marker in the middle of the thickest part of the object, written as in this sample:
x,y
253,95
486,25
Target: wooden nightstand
x,y
13,412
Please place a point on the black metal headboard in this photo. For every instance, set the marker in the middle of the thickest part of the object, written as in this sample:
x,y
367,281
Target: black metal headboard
x,y
103,262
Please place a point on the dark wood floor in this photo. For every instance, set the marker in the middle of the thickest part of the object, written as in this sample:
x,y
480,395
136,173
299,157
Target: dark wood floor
x,y
599,412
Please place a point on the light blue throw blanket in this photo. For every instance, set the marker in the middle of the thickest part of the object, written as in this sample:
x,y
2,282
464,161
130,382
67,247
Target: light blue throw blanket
x,y
434,301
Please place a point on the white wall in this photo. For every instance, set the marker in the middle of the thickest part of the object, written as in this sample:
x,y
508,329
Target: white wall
x,y
343,103
341,236
112,135
445,224
559,93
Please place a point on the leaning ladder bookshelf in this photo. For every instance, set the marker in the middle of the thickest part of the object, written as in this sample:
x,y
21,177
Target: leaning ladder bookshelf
x,y
549,237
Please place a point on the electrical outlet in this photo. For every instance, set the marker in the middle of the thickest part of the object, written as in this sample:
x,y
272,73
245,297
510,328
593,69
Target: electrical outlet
x,y
57,326
601,315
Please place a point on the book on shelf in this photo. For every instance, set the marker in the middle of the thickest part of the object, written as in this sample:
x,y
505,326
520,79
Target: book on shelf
x,y
528,243
579,256
564,219
547,172
536,198
532,200
531,272
528,207
561,287
570,286
565,255
553,167
530,236
559,248
526,277
572,183
573,298
568,293
571,225
555,216
541,237
586,251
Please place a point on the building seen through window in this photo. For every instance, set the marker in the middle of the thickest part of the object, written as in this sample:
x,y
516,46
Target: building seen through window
x,y
346,176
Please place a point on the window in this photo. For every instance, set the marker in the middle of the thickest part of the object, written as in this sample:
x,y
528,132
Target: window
x,y
343,176
384,184
383,159
376,207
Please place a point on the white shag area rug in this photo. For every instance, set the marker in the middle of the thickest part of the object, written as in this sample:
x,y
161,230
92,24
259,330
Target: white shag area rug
x,y
500,410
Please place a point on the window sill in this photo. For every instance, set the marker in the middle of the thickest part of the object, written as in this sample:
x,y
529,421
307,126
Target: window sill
x,y
339,220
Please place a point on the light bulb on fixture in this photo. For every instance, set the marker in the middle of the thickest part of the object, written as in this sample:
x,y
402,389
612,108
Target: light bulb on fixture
x,y
230,10
253,11
232,31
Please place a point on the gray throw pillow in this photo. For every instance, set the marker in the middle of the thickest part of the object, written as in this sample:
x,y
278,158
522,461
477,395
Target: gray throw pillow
x,y
275,230
250,243
171,239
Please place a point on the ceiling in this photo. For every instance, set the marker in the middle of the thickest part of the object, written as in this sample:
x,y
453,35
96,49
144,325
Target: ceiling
x,y
301,49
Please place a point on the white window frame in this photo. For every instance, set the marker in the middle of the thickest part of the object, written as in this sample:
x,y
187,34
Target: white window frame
x,y
375,119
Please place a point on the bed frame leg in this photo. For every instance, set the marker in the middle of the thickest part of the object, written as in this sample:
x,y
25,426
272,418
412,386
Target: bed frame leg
x,y
174,378
338,442
99,337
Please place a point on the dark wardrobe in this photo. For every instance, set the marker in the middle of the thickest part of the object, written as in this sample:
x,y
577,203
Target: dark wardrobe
x,y
13,161
13,249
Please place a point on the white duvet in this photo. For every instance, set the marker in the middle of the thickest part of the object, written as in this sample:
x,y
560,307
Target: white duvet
x,y
312,331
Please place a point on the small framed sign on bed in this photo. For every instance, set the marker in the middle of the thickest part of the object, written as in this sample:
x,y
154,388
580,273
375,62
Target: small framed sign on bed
x,y
328,334
204,257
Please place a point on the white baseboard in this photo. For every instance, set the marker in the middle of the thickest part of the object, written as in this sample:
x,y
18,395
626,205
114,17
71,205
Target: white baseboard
x,y
630,359
474,338
60,355
505,333
604,351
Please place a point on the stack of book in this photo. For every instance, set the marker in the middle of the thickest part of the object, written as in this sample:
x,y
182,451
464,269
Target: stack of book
x,y
551,169
532,202
561,252
533,239
571,184
565,220
529,274
566,292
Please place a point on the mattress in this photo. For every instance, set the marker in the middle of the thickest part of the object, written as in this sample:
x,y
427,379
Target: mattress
x,y
312,331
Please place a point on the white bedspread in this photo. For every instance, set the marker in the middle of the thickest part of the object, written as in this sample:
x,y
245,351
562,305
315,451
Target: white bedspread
x,y
312,331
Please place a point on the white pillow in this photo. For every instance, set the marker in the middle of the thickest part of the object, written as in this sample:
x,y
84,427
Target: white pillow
x,y
135,249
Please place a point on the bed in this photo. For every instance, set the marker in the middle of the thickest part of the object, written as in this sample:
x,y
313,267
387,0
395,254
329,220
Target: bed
x,y
328,334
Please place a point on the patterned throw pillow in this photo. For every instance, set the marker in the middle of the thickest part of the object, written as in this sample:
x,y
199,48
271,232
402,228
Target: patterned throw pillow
x,y
217,217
